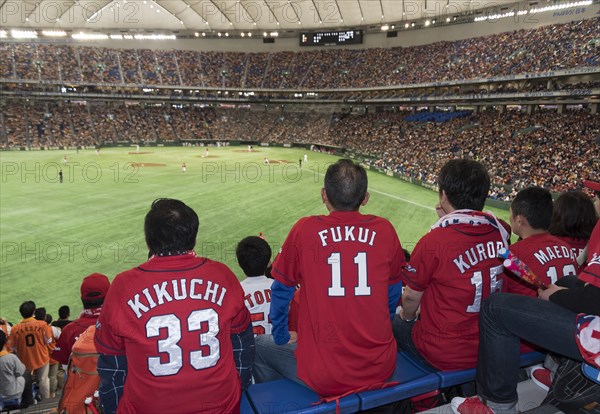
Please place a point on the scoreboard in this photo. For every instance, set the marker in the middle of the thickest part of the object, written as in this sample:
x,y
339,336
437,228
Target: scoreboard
x,y
346,37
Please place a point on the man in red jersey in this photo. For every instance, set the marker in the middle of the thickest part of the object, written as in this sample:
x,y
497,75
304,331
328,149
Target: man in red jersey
x,y
93,291
548,257
454,267
170,328
349,266
505,319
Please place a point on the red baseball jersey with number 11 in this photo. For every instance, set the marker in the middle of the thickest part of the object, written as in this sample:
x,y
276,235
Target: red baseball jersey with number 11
x,y
344,263
172,317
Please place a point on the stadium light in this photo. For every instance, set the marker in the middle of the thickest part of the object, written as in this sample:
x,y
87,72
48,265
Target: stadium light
x,y
54,33
154,37
385,28
89,36
3,34
116,37
23,34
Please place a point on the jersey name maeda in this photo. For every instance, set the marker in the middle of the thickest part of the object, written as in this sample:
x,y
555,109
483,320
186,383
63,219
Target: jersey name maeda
x,y
176,290
347,233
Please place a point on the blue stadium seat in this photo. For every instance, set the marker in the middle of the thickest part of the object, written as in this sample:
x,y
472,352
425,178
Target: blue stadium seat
x,y
591,372
450,378
413,380
287,397
245,406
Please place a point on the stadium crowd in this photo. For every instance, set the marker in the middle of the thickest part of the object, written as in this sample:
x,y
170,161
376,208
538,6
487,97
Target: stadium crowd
x,y
548,48
520,149
267,348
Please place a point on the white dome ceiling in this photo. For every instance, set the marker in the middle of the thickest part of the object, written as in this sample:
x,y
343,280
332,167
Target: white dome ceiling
x,y
223,15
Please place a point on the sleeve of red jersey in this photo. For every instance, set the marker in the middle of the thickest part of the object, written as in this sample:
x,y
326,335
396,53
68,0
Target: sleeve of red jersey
x,y
242,318
398,262
591,273
107,338
286,264
423,262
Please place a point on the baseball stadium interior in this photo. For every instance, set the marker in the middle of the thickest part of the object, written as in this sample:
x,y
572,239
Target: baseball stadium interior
x,y
399,86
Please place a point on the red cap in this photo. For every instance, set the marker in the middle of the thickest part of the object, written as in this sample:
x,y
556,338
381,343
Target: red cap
x,y
592,185
94,286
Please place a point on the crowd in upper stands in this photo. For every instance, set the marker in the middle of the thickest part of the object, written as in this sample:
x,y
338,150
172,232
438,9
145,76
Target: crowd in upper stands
x,y
548,48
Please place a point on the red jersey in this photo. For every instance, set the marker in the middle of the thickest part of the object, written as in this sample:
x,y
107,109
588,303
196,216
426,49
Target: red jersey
x,y
548,257
70,333
456,267
344,262
172,317
591,274
577,245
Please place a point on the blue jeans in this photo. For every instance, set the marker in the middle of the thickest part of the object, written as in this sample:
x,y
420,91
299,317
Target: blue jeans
x,y
403,334
273,362
504,319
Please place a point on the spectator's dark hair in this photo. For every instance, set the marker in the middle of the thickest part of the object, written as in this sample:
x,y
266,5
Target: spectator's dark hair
x,y
466,184
170,227
406,254
346,185
48,318
40,314
92,303
2,339
27,308
535,204
573,215
64,312
253,255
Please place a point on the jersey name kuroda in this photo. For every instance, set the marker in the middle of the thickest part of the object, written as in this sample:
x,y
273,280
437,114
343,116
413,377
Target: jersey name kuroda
x,y
478,253
347,233
176,290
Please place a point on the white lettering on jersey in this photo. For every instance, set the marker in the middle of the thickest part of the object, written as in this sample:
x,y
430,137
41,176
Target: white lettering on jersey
x,y
476,254
554,252
160,294
345,234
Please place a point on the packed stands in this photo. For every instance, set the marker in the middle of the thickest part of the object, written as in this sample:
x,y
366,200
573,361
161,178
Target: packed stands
x,y
553,47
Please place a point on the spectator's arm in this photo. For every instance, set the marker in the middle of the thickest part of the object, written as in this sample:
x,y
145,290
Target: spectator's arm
x,y
113,371
19,368
243,354
281,296
394,292
411,299
578,299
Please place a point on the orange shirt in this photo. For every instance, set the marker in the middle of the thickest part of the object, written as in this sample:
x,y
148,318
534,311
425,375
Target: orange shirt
x,y
30,339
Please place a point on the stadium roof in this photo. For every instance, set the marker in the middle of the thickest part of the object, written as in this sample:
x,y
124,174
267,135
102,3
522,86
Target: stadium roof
x,y
223,15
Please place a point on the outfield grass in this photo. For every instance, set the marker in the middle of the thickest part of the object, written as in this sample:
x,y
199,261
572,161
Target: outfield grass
x,y
53,234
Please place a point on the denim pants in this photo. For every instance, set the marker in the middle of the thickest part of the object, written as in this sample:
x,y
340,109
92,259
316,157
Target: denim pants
x,y
403,334
273,362
504,319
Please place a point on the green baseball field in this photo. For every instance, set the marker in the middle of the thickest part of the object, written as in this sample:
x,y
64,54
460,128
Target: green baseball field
x,y
54,233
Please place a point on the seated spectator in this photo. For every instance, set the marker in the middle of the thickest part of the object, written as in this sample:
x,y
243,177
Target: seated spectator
x,y
12,382
253,255
344,337
573,219
506,318
64,312
548,257
452,269
93,290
